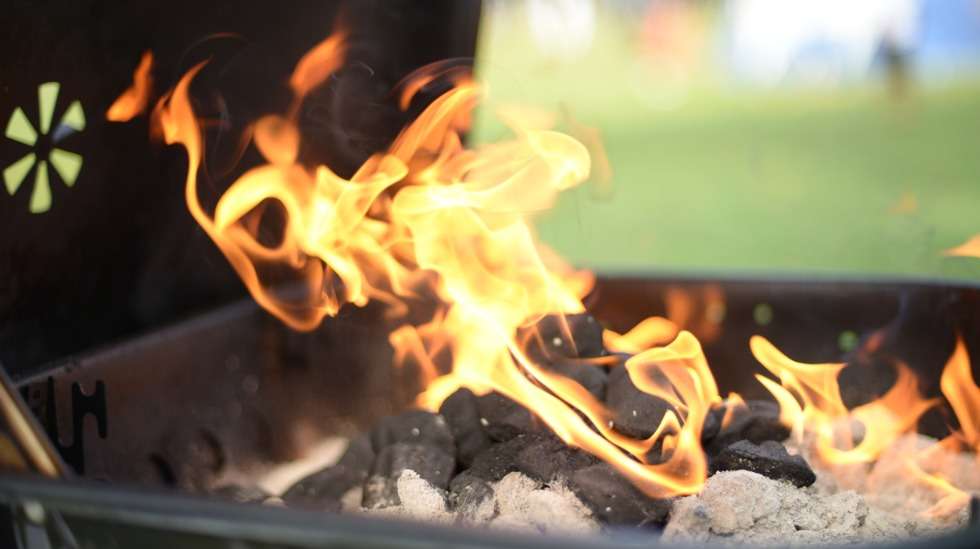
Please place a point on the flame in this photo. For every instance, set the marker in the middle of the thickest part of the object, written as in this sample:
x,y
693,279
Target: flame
x,y
970,248
133,101
652,331
961,391
429,217
810,402
963,394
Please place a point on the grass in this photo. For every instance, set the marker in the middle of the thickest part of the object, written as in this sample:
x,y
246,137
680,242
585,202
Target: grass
x,y
708,177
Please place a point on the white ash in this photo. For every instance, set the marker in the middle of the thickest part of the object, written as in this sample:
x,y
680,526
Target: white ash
x,y
889,484
741,507
848,503
517,503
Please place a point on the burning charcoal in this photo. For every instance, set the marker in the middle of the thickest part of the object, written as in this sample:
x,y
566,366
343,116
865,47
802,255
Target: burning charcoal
x,y
591,377
430,463
414,427
462,413
635,413
757,422
495,462
470,496
504,419
614,500
550,458
769,459
241,494
324,489
586,340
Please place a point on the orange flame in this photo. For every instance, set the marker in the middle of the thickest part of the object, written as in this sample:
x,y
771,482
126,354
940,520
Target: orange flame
x,y
429,216
133,101
970,248
963,395
961,391
810,401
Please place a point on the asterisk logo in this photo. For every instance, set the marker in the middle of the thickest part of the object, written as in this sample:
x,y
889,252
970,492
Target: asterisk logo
x,y
66,164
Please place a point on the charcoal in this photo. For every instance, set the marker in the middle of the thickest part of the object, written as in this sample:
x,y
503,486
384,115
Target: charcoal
x,y
467,492
712,424
635,413
504,419
413,427
553,341
549,459
756,422
241,494
432,464
614,500
323,490
769,459
462,413
591,377
495,462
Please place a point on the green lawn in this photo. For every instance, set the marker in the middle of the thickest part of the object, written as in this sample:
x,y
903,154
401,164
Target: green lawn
x,y
734,179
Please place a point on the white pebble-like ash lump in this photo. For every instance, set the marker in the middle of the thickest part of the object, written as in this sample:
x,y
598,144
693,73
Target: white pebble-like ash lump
x,y
518,503
742,507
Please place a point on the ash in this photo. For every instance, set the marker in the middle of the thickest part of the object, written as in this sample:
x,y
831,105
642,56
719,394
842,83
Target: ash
x,y
517,502
848,504
743,507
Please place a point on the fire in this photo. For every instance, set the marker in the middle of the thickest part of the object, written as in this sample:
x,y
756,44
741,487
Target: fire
x,y
430,217
133,101
961,391
970,248
963,394
810,402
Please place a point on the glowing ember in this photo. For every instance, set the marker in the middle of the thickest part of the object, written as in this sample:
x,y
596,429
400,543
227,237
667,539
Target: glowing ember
x,y
133,101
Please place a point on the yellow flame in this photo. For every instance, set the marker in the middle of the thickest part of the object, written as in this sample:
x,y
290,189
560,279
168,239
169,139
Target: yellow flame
x,y
133,101
970,248
432,217
809,399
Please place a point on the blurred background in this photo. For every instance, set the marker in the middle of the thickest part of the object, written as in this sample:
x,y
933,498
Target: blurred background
x,y
817,137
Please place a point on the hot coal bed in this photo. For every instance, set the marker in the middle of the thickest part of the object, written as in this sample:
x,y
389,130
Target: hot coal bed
x,y
484,461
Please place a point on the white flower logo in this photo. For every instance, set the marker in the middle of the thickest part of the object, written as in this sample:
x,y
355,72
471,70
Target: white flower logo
x,y
66,164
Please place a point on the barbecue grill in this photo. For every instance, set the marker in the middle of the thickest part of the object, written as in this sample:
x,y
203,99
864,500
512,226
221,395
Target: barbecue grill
x,y
143,373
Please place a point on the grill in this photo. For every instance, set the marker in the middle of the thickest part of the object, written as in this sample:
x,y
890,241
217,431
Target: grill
x,y
174,380
227,391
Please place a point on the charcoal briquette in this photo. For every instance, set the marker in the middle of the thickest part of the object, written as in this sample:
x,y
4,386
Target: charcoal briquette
x,y
413,427
553,339
504,419
614,500
467,492
549,459
462,413
323,489
757,421
500,459
432,464
769,459
590,376
635,413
